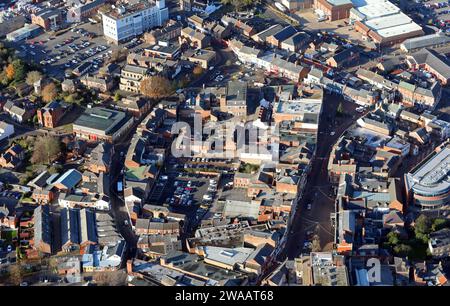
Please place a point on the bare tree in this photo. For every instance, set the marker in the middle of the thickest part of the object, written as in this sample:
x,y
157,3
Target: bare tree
x,y
156,87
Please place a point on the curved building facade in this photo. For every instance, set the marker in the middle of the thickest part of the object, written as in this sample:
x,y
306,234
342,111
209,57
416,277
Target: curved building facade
x,y
428,184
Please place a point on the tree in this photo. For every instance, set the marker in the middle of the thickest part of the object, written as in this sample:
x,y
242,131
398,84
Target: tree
x,y
117,96
422,228
197,70
49,92
33,77
10,71
340,109
438,224
315,244
156,87
46,148
19,70
402,249
15,274
392,239
239,4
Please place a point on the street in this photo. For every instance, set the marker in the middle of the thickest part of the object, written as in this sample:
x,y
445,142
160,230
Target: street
x,y
317,189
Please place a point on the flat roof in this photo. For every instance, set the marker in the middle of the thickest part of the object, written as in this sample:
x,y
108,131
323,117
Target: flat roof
x,y
103,119
375,8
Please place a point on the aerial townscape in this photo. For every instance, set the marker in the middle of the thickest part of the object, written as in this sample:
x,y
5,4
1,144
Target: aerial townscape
x,y
224,143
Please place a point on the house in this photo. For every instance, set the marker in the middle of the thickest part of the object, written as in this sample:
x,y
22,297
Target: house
x,y
6,130
439,243
138,106
100,83
276,39
431,62
348,57
194,38
296,42
13,157
170,31
148,227
51,114
100,158
18,111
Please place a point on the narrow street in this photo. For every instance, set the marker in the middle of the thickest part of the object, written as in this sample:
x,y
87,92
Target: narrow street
x,y
317,189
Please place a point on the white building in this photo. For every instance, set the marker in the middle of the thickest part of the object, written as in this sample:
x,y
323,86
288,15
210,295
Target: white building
x,y
6,130
125,22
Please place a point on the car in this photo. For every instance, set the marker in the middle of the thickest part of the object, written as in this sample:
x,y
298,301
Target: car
x,y
9,248
23,284
309,206
125,222
333,133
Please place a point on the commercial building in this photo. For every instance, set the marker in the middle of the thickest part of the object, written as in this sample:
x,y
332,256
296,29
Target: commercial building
x,y
102,124
79,11
428,41
383,22
333,9
42,227
48,18
427,185
125,22
131,77
27,31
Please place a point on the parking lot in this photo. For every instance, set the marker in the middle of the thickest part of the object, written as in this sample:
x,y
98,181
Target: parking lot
x,y
81,45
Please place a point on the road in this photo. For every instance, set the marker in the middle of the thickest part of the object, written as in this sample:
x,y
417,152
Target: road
x,y
317,189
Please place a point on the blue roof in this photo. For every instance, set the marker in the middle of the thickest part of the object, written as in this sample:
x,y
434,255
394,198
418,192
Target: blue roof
x,y
69,179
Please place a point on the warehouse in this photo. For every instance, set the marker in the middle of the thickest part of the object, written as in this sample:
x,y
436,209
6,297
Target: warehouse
x,y
27,31
382,22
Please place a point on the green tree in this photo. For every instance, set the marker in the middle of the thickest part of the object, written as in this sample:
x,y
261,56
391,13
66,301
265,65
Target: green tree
x,y
117,96
19,70
422,228
392,239
438,224
402,249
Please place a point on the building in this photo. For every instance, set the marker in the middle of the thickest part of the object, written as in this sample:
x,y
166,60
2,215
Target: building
x,y
13,157
171,30
100,83
128,21
383,22
100,158
347,57
427,185
6,130
235,101
193,38
439,243
79,11
48,18
131,77
26,32
429,61
203,58
104,124
50,115
427,41
43,229
333,9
